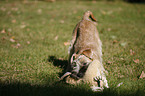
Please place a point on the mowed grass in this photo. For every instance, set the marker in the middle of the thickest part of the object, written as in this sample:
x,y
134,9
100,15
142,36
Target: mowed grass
x,y
34,49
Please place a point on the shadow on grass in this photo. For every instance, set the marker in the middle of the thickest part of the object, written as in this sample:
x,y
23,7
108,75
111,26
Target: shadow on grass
x,y
60,89
18,89
58,62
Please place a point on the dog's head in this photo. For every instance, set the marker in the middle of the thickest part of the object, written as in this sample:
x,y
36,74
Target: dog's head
x,y
79,66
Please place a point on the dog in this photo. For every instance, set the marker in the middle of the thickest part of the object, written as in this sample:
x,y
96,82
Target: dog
x,y
85,55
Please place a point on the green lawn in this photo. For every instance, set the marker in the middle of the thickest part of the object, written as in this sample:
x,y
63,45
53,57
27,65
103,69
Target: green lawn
x,y
33,54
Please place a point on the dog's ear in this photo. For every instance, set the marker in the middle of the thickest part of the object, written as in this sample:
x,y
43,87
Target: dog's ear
x,y
87,53
93,18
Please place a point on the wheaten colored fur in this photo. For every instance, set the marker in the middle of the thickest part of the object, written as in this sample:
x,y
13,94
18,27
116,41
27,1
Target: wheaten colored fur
x,y
86,39
86,42
96,72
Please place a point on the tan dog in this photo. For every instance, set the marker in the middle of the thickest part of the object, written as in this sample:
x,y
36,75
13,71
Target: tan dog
x,y
85,54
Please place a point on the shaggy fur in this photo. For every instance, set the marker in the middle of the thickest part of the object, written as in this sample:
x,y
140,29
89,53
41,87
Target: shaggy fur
x,y
85,53
86,39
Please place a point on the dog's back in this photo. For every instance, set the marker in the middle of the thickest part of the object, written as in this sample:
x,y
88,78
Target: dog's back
x,y
86,38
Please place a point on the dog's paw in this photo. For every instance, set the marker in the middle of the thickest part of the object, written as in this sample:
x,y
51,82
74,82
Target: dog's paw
x,y
102,82
105,82
98,78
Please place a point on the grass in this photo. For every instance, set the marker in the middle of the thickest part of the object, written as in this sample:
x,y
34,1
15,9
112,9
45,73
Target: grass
x,y
33,54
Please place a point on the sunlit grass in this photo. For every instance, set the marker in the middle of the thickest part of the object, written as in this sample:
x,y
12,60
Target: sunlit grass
x,y
33,54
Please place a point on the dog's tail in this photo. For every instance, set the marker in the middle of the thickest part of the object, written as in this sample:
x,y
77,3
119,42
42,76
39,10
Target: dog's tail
x,y
89,15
